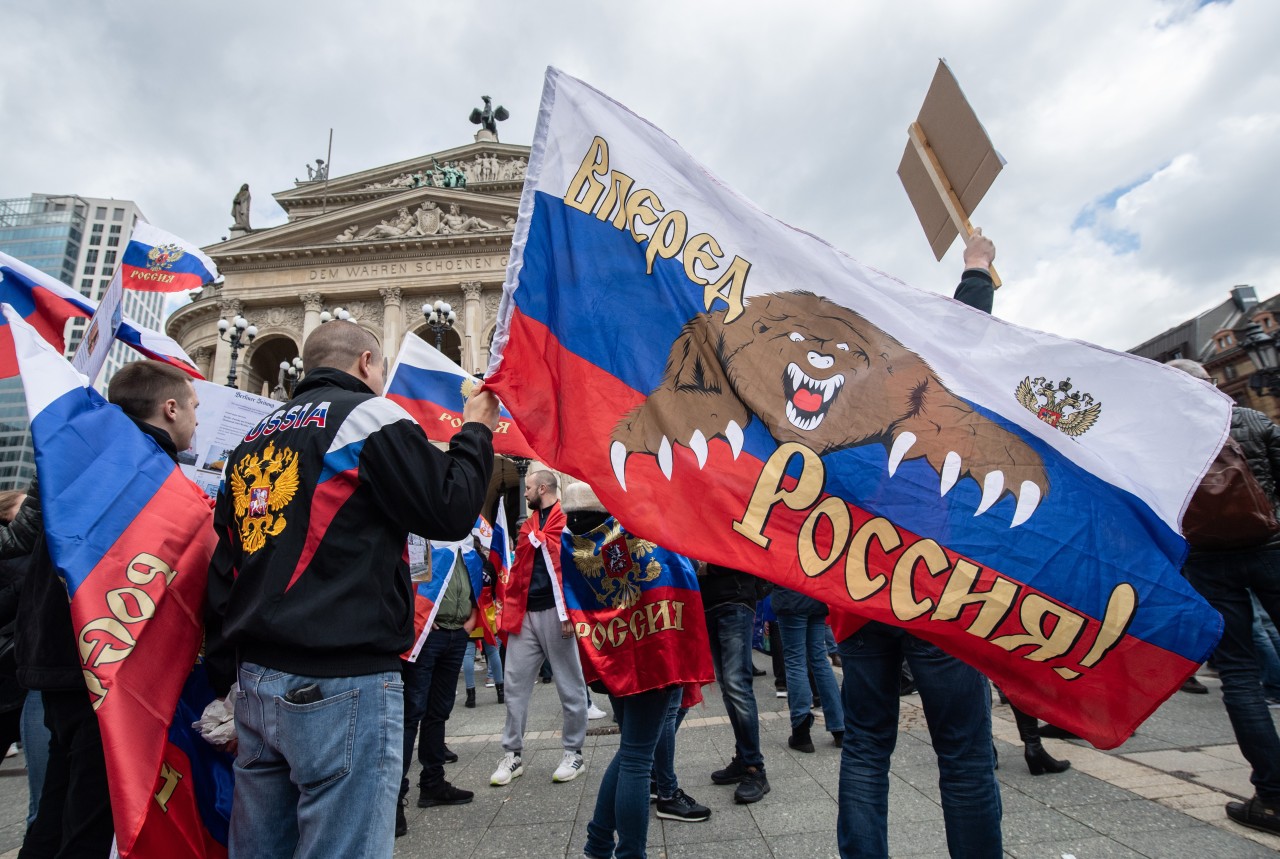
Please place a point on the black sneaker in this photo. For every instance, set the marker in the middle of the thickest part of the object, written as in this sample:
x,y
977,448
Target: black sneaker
x,y
682,807
732,774
1255,814
752,788
402,825
450,757
446,794
1194,686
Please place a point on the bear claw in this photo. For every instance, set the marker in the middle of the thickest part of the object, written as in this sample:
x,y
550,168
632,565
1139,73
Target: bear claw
x,y
733,433
950,472
901,445
618,457
698,444
992,487
1028,500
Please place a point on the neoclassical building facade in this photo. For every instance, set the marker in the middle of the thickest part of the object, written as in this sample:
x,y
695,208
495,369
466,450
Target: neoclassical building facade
x,y
379,244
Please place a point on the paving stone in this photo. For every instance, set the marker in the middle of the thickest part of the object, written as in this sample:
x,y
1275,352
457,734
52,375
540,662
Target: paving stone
x,y
1196,842
1110,818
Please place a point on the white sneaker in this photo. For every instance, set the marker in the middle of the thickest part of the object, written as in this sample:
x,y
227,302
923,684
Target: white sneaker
x,y
13,750
594,712
508,768
571,765
488,684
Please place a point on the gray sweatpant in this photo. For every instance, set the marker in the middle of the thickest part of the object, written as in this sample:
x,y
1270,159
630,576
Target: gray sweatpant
x,y
539,637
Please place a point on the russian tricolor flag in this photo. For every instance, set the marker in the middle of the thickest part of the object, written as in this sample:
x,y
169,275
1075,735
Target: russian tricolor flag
x,y
47,303
131,537
500,544
434,389
1011,496
157,261
429,586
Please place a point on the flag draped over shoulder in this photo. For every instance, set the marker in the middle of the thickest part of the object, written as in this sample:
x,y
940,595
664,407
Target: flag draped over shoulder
x,y
430,582
46,304
637,612
157,261
131,537
434,389
767,403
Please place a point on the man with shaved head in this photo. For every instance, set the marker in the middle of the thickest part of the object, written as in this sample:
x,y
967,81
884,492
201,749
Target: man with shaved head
x,y
310,602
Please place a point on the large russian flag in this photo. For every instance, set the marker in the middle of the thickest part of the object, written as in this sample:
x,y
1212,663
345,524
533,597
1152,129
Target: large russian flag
x,y
637,612
741,392
131,538
47,303
158,261
434,390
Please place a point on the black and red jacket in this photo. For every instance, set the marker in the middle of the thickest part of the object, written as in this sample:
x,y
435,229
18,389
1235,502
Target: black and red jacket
x,y
309,575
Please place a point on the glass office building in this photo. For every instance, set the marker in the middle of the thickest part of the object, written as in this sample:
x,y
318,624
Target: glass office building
x,y
45,231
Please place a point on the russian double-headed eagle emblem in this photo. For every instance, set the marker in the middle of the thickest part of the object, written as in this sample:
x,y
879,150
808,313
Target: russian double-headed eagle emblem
x,y
163,257
1058,405
261,486
612,564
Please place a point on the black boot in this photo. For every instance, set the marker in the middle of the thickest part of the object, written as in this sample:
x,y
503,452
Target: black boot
x,y
402,825
1040,762
502,695
800,739
471,698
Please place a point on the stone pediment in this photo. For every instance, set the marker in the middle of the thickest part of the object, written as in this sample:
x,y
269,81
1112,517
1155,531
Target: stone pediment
x,y
416,220
488,167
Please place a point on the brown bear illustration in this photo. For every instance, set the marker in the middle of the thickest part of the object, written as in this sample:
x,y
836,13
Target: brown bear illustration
x,y
819,374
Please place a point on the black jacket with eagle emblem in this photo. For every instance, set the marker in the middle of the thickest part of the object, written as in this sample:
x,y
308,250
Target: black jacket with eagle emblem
x,y
310,575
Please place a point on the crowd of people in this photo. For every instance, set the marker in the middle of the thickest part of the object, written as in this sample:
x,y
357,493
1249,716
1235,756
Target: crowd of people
x,y
310,636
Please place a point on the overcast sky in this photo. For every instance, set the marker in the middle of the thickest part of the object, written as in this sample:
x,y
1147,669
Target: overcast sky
x,y
1141,137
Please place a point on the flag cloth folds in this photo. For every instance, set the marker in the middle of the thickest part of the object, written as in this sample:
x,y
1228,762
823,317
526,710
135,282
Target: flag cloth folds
x,y
47,303
637,612
434,389
431,579
131,538
157,261
741,392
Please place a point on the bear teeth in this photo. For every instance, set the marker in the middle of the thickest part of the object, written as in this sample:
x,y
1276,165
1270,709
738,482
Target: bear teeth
x,y
826,387
803,423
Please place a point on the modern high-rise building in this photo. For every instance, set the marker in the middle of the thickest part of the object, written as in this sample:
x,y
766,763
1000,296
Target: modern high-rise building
x,y
78,240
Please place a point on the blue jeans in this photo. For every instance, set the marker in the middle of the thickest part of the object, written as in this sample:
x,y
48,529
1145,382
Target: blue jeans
x,y
316,779
804,649
491,656
622,805
35,746
1267,642
1226,579
957,707
729,629
664,756
430,685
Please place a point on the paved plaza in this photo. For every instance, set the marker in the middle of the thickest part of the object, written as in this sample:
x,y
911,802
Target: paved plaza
x,y
1159,795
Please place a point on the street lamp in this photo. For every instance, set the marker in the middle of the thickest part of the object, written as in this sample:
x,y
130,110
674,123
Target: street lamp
x,y
239,333
289,373
440,318
1261,349
522,469
338,314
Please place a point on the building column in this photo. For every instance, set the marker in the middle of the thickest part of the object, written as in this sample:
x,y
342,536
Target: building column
x,y
472,322
391,317
312,303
